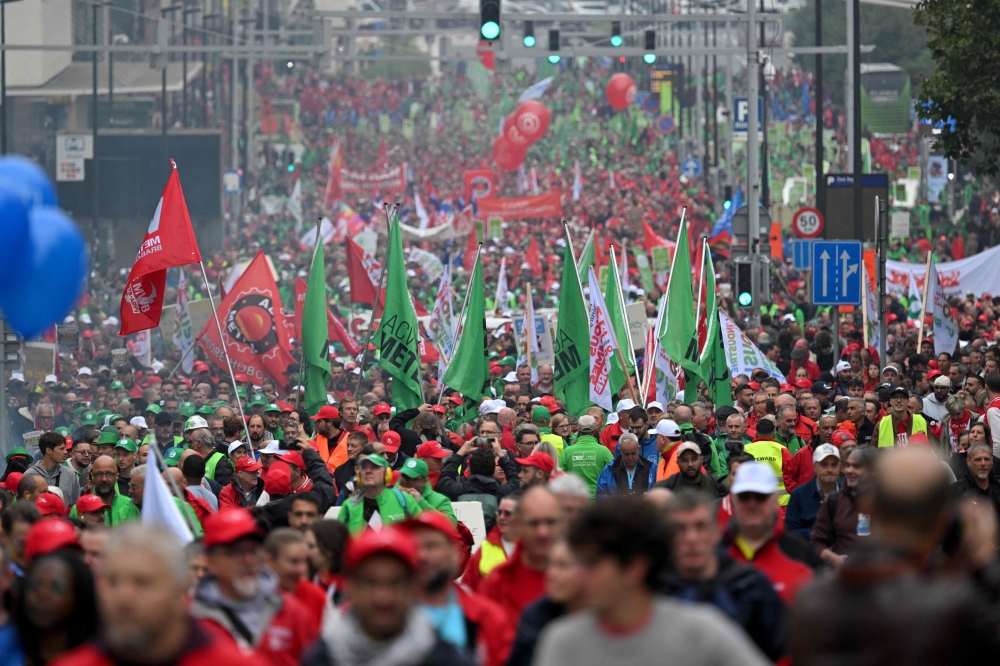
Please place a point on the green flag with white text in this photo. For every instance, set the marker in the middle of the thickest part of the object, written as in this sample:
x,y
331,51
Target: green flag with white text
x,y
619,324
572,343
679,330
397,336
315,334
714,366
469,369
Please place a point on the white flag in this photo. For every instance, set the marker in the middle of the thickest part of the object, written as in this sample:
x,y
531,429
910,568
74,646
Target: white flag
x,y
442,323
871,310
534,182
142,349
183,337
577,181
623,275
914,299
742,355
535,91
294,206
611,179
522,179
501,303
667,372
602,346
422,215
945,326
159,507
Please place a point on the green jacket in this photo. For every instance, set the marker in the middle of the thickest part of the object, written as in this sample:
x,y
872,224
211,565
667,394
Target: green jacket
x,y
390,508
793,443
123,511
431,500
586,458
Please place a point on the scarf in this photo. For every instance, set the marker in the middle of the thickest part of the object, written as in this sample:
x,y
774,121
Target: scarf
x,y
350,646
957,426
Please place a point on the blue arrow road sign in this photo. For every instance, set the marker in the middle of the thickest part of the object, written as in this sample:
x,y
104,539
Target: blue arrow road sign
x,y
836,275
691,167
802,254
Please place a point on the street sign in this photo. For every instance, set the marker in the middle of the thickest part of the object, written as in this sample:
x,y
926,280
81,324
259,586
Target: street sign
x,y
801,254
741,118
808,223
691,167
740,243
836,274
665,124
231,181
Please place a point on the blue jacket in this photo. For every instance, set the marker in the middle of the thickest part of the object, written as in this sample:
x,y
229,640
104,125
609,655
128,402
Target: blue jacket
x,y
803,504
615,474
647,449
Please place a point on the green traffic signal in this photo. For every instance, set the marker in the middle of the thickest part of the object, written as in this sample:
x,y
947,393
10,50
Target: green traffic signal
x,y
554,59
529,40
649,58
490,30
745,299
616,40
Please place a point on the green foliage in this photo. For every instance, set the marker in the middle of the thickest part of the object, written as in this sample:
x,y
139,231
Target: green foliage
x,y
962,37
897,38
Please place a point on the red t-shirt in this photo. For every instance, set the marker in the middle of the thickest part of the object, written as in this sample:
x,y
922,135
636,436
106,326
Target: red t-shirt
x,y
514,585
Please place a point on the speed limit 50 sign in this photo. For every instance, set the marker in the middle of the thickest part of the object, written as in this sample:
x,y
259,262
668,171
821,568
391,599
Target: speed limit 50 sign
x,y
808,223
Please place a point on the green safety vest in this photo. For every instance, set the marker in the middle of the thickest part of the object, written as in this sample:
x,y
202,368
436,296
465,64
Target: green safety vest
x,y
769,452
211,463
394,506
887,434
491,556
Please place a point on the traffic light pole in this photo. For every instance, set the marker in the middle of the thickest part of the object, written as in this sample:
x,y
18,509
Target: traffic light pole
x,y
4,426
753,191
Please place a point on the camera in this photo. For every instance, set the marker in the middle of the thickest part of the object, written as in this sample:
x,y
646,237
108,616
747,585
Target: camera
x,y
484,442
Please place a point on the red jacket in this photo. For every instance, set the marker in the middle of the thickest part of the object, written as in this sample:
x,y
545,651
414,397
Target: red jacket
x,y
313,597
514,585
494,630
472,578
609,436
786,575
799,470
230,497
203,648
201,507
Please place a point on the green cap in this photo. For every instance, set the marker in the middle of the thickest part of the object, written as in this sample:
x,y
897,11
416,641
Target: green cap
x,y
109,436
220,403
186,409
103,414
116,417
89,418
18,452
173,456
63,430
494,354
414,468
241,392
374,459
156,409
272,408
258,399
540,413
508,362
126,444
116,385
205,411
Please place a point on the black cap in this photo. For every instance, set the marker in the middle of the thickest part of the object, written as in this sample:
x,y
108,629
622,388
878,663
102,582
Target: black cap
x,y
821,387
884,390
163,418
899,389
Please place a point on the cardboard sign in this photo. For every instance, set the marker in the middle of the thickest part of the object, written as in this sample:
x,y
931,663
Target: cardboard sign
x,y
545,355
495,227
69,335
471,513
31,441
119,355
38,361
661,259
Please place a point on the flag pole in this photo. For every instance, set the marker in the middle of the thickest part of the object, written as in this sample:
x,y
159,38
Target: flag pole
x,y
465,306
864,309
222,339
180,362
378,292
613,266
161,467
923,309
528,325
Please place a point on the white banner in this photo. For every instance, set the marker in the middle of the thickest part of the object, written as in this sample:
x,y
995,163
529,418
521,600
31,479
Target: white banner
x,y
871,310
945,327
937,177
326,229
501,302
142,349
442,323
183,336
294,205
602,347
974,275
667,372
535,91
742,355
428,263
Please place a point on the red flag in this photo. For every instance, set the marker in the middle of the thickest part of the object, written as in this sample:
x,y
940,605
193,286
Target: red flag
x,y
335,329
333,177
653,239
599,250
363,271
169,242
256,333
383,157
485,53
534,258
471,248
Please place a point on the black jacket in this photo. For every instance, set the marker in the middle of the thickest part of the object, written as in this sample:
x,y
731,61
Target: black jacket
x,y
709,485
703,441
410,440
276,511
534,619
443,654
452,485
640,479
866,431
966,487
742,593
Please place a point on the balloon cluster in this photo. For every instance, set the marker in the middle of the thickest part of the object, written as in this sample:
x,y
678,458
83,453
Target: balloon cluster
x,y
522,128
43,256
620,91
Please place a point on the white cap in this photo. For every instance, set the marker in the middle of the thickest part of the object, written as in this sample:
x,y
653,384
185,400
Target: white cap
x,y
788,317
842,366
625,405
235,445
157,366
537,399
139,422
491,407
69,319
51,379
824,451
84,371
668,428
655,404
85,318
273,448
688,446
754,477
612,418
942,381
110,321
195,422
511,378
890,367
18,376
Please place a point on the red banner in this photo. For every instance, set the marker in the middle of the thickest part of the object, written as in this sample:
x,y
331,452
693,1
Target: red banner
x,y
255,327
392,179
478,182
519,208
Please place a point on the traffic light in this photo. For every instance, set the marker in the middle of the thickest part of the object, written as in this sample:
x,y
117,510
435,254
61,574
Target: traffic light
x,y
11,348
616,33
554,46
727,197
489,19
744,283
529,33
650,46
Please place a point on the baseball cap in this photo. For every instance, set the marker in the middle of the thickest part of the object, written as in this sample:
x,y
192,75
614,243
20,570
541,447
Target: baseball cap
x,y
668,428
414,468
64,431
541,413
391,441
754,477
381,409
840,437
90,503
127,444
272,448
163,418
625,405
247,464
688,446
205,410
186,409
438,409
18,452
540,460
586,424
456,400
433,520
85,371
510,378
49,535
942,380
50,505
258,399
432,450
89,418
116,385
235,445
842,366
109,435
387,541
194,423
899,389
824,451
278,482
293,458
10,483
172,456
326,412
199,366
889,368
139,422
154,408
821,387
655,404
374,459
227,526
490,407
272,407
240,391
803,384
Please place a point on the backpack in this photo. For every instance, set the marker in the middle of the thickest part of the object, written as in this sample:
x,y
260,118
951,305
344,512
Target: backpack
x,y
489,504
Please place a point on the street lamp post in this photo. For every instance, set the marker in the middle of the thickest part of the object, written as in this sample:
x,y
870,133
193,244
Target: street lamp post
x,y
768,72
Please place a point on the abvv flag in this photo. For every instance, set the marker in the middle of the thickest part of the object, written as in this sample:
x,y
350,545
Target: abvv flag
x,y
169,242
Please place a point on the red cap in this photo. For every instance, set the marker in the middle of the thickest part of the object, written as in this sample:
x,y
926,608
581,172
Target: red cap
x,y
50,505
840,437
10,483
549,402
787,388
154,380
437,409
933,364
89,504
279,480
69,442
919,439
754,385
804,383
455,400
435,521
199,366
227,526
381,408
240,377
326,412
540,460
285,407
247,464
495,367
431,450
293,458
391,441
933,374
388,541
49,535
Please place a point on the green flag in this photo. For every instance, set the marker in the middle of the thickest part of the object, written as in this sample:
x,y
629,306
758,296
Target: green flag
x,y
678,330
714,366
587,258
315,334
572,343
619,323
397,336
469,369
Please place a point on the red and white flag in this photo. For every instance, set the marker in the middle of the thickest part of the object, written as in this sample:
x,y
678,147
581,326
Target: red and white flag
x,y
533,257
363,271
169,242
602,346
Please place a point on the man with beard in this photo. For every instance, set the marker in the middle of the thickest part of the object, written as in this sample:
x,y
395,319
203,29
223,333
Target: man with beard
x,y
839,521
690,476
143,603
486,628
329,433
104,477
257,434
344,475
244,599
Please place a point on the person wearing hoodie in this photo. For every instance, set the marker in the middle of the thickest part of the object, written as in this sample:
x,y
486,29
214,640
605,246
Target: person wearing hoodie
x,y
383,624
481,466
52,446
243,599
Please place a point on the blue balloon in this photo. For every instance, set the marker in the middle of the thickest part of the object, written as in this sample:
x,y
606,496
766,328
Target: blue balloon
x,y
53,275
13,236
28,179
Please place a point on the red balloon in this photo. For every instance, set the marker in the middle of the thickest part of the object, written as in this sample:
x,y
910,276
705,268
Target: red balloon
x,y
620,91
532,119
513,134
507,156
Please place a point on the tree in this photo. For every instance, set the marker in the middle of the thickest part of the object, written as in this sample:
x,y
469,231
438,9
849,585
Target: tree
x,y
963,88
